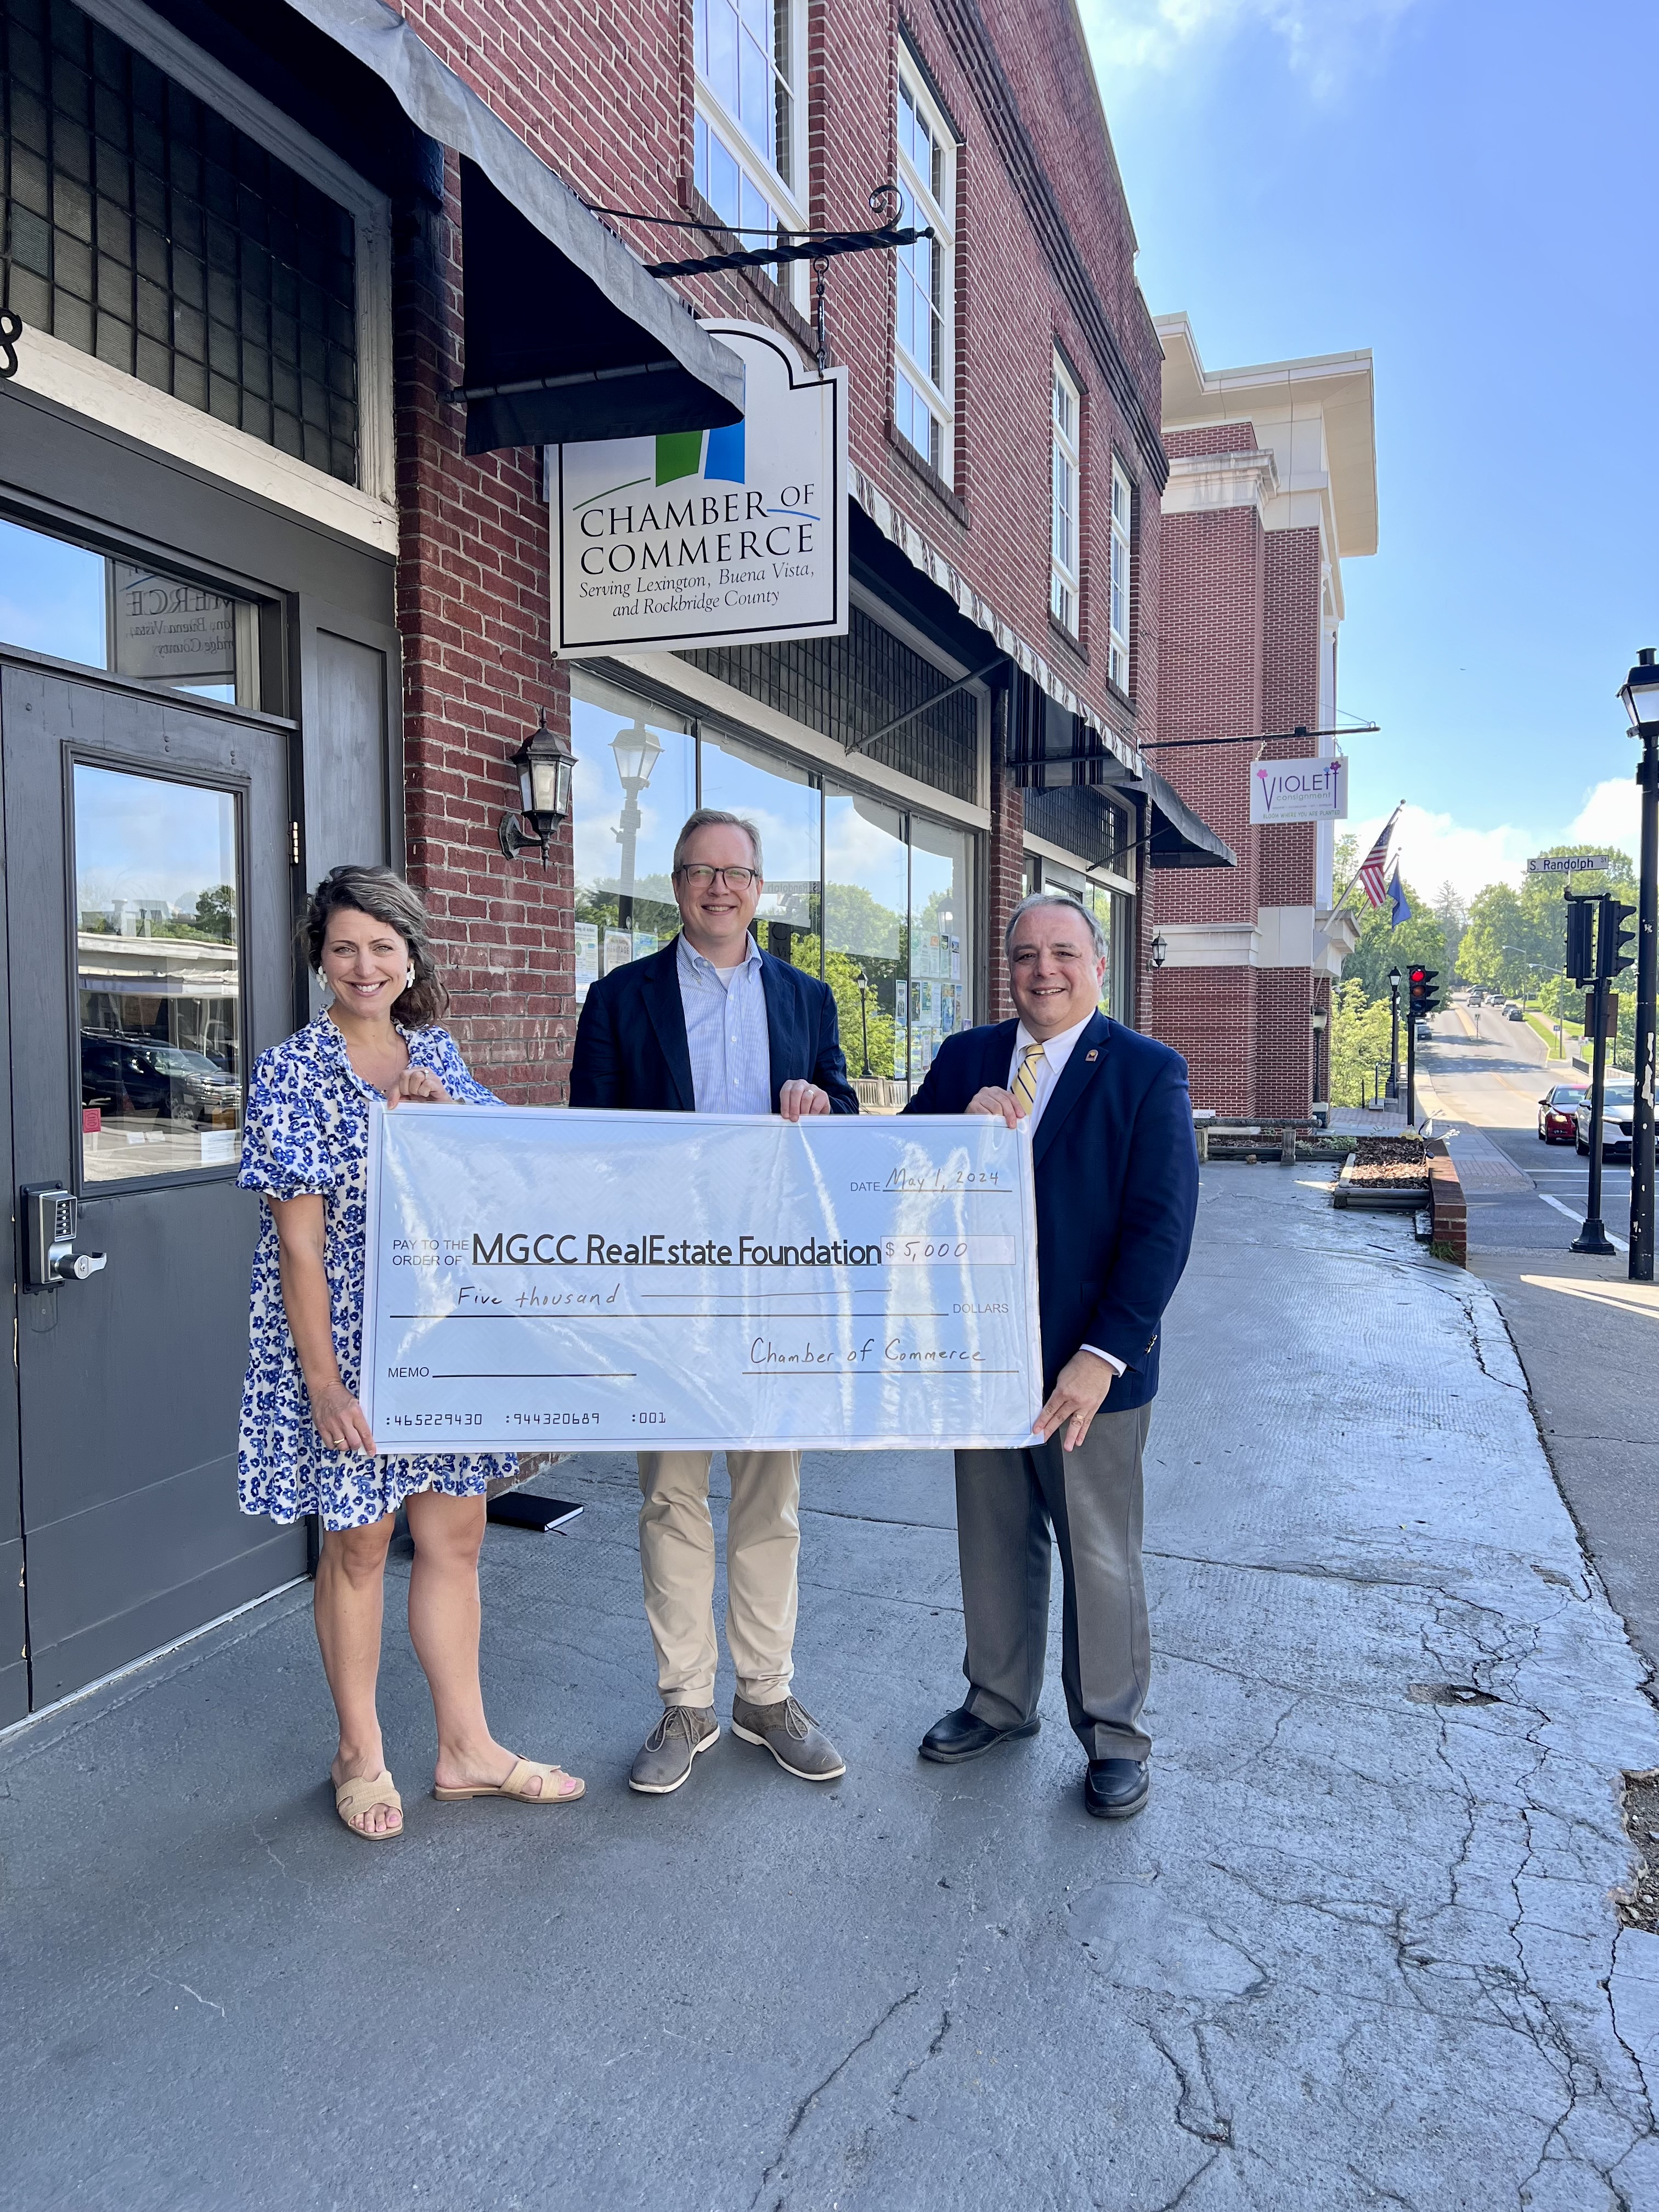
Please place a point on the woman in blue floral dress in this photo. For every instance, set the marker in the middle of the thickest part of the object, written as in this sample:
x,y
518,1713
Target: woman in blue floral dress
x,y
305,1446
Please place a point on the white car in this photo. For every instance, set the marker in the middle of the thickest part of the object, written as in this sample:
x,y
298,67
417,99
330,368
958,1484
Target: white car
x,y
1618,1106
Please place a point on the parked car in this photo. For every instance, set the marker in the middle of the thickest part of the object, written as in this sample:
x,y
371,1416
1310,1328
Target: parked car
x,y
124,1075
1557,1112
1617,1110
1424,1033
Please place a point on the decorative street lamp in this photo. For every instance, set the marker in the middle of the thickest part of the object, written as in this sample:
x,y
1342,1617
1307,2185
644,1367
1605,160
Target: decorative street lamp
x,y
1641,698
637,751
1160,948
864,1016
1394,1033
543,763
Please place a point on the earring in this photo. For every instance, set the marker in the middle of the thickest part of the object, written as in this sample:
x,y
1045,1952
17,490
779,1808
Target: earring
x,y
409,980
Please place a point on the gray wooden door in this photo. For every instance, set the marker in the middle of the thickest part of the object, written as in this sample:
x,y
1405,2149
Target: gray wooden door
x,y
147,958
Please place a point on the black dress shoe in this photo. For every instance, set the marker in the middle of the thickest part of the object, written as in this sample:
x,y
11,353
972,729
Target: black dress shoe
x,y
1116,1789
963,1734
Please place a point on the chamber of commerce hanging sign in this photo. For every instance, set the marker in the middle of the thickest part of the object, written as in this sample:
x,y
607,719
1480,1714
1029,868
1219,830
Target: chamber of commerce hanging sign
x,y
701,538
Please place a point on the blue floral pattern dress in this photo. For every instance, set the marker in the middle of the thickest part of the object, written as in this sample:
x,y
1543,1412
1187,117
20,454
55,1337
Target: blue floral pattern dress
x,y
307,1132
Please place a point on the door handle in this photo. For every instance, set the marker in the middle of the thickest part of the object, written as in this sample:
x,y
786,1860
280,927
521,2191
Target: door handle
x,y
51,1221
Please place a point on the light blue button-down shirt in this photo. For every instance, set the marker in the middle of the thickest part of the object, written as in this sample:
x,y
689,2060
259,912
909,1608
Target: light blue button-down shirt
x,y
725,1033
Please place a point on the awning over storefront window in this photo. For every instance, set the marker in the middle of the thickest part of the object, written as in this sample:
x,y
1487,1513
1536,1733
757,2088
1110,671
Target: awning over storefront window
x,y
566,337
1179,839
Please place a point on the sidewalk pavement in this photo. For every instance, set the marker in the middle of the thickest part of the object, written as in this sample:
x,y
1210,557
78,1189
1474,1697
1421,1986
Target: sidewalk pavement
x,y
1360,1950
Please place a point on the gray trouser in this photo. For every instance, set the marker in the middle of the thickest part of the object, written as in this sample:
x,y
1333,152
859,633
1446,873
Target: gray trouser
x,y
1007,1502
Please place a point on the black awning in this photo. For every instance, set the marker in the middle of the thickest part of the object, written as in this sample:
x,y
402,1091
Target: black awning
x,y
566,337
1179,839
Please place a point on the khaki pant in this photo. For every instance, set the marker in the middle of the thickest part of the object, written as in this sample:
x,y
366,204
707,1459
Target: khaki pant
x,y
676,1559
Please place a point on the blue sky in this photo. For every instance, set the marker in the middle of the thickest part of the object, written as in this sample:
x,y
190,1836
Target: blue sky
x,y
1467,188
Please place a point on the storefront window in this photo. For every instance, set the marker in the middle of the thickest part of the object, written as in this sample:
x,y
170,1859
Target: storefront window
x,y
636,781
157,932
784,803
866,898
137,621
941,923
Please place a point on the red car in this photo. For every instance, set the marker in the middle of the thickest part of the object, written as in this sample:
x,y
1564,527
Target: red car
x,y
1556,1110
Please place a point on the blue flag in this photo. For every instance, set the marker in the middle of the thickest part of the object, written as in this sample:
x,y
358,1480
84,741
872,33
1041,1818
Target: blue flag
x,y
1401,911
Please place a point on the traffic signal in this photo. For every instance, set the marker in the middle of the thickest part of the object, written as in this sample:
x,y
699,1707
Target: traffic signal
x,y
1425,995
1614,950
1581,935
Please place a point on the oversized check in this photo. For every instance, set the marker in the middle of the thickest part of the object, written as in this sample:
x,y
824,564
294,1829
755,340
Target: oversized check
x,y
541,1277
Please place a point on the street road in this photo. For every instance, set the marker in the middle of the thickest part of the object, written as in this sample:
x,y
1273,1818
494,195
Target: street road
x,y
1586,1335
1488,1074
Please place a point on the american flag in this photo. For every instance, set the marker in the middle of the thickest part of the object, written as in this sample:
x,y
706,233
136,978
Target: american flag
x,y
1372,868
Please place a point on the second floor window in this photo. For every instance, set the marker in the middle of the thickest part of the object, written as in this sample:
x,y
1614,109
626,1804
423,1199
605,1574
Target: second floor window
x,y
924,378
746,154
1065,563
1117,667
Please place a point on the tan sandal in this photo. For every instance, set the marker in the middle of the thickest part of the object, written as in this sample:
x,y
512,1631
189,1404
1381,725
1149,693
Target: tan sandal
x,y
520,1774
362,1795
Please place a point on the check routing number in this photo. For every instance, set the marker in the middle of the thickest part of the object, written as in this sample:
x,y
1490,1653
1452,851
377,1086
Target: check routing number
x,y
543,1279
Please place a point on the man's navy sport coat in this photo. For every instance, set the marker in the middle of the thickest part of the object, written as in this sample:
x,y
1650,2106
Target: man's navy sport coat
x,y
1117,1167
631,1049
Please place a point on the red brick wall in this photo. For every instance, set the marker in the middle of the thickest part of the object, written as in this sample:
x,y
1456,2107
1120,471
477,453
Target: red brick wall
x,y
1290,699
473,618
1212,438
1284,1077
1210,1015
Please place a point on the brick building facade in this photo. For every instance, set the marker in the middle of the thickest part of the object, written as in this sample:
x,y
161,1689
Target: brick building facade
x,y
1273,485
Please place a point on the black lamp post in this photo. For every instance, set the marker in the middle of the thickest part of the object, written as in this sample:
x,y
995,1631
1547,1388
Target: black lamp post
x,y
864,1016
1641,698
1394,1033
543,763
635,750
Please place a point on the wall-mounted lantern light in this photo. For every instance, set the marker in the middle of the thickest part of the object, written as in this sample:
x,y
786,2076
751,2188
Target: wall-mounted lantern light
x,y
543,763
1160,948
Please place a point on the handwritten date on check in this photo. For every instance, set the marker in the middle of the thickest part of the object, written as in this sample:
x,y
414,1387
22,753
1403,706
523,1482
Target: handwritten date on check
x,y
544,1278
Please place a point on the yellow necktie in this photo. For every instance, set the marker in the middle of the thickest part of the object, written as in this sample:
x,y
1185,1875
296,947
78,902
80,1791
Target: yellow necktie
x,y
1025,1081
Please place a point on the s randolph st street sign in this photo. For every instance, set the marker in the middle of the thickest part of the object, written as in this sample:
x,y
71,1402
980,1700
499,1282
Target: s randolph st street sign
x,y
732,537
1298,791
1565,864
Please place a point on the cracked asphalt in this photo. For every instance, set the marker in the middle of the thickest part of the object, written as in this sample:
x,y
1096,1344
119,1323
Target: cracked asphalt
x,y
1361,1950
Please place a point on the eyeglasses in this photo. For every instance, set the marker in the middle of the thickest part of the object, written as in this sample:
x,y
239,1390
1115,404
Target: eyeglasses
x,y
700,875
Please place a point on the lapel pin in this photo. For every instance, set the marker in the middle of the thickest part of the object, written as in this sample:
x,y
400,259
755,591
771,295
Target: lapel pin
x,y
1091,1055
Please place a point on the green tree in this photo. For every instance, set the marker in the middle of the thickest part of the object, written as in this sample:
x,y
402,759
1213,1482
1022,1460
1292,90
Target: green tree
x,y
1360,1034
1453,917
1419,941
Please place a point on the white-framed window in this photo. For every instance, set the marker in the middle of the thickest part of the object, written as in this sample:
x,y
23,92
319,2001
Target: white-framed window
x,y
1066,565
1123,495
924,370
747,157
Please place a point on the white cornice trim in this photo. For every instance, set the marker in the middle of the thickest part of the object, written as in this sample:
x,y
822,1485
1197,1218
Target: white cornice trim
x,y
1200,482
1209,944
91,387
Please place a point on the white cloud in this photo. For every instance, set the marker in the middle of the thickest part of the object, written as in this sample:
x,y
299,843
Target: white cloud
x,y
1432,849
1324,40
1610,817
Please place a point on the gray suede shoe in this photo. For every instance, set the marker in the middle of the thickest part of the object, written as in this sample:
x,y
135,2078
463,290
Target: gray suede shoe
x,y
794,1739
665,1758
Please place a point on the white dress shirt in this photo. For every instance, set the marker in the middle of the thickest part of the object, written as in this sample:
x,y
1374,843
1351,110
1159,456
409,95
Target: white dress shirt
x,y
1057,1051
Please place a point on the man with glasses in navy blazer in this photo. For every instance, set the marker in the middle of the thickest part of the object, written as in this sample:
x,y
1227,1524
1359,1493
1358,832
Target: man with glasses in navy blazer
x,y
711,1024
1116,1170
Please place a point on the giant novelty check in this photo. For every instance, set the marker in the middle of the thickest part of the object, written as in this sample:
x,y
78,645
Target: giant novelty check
x,y
541,1279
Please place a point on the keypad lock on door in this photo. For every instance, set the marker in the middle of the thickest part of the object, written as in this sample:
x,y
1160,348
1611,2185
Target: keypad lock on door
x,y
51,1218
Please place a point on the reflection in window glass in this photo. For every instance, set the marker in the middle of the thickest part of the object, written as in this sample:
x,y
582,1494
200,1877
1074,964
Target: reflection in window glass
x,y
158,901
139,622
941,947
635,783
783,802
867,896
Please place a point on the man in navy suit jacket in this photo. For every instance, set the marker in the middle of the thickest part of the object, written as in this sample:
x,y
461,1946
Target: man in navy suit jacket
x,y
711,1024
1116,1171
